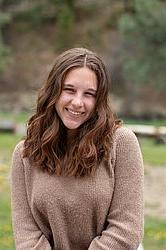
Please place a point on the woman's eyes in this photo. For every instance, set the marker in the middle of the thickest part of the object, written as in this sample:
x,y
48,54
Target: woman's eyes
x,y
71,90
90,94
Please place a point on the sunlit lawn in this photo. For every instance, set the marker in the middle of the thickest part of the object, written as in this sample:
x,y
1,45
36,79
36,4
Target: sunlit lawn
x,y
6,237
17,117
154,154
7,143
155,234
156,123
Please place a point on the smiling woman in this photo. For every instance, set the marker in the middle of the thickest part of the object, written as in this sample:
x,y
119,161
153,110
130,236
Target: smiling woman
x,y
77,100
77,178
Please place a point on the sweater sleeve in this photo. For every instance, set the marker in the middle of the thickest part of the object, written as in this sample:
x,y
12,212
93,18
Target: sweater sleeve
x,y
125,217
26,232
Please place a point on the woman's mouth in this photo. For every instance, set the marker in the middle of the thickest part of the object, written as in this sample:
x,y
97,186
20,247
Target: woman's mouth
x,y
73,112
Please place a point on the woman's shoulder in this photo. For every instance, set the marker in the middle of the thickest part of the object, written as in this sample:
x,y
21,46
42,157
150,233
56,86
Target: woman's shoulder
x,y
125,141
19,148
123,133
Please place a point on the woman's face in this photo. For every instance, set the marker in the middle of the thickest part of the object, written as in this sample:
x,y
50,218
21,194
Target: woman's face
x,y
78,97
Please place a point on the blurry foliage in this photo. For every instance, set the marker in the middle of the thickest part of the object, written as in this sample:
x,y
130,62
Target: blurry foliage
x,y
63,14
142,25
120,8
35,14
65,23
4,53
113,19
128,5
144,37
70,3
4,49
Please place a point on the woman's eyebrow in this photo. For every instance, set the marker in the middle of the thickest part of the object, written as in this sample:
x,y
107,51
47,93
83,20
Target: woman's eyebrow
x,y
92,90
68,85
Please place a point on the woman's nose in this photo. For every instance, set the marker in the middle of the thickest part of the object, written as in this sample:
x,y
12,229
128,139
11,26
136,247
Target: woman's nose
x,y
77,101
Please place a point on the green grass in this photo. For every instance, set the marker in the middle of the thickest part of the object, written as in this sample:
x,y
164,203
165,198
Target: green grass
x,y
16,117
7,144
156,123
153,154
6,235
155,234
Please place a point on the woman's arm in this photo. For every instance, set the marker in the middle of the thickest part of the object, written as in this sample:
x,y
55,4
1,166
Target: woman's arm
x,y
26,232
125,218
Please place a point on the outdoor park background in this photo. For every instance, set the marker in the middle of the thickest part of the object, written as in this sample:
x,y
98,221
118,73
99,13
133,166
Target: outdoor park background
x,y
131,37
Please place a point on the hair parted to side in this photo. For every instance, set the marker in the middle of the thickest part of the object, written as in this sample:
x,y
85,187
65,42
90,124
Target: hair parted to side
x,y
45,142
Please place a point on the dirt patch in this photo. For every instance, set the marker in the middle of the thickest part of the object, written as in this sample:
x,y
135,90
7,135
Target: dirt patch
x,y
155,191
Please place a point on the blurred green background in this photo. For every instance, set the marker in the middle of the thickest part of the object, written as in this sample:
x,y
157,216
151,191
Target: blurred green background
x,y
130,35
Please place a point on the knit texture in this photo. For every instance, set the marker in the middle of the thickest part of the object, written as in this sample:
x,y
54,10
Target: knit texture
x,y
104,212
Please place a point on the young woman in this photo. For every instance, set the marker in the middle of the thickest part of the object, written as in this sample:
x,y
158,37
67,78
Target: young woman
x,y
77,178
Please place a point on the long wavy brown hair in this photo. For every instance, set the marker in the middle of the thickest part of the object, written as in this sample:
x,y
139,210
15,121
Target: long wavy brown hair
x,y
46,141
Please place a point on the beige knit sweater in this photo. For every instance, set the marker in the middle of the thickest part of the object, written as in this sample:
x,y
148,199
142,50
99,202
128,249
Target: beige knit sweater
x,y
104,212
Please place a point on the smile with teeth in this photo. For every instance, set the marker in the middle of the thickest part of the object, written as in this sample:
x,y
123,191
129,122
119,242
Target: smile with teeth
x,y
74,112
